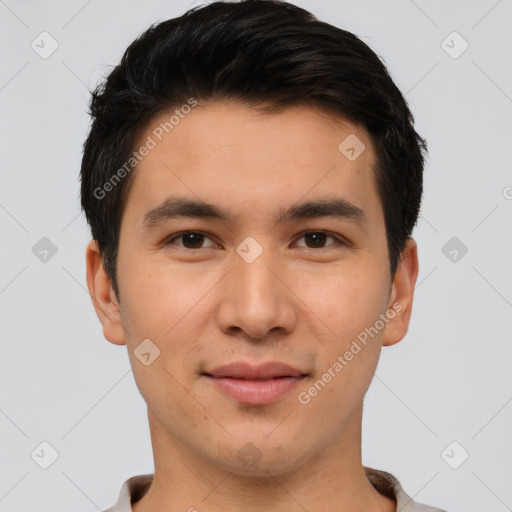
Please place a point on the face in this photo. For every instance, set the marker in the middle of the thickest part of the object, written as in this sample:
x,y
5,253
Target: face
x,y
284,276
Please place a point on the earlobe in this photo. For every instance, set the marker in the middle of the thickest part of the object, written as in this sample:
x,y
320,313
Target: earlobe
x,y
103,296
402,294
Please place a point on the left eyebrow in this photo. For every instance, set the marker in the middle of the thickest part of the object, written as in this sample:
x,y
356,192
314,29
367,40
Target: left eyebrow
x,y
175,206
330,207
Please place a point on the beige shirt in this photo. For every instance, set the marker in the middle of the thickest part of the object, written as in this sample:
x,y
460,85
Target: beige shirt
x,y
135,487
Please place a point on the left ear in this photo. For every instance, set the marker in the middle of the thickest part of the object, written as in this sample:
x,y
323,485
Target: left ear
x,y
402,293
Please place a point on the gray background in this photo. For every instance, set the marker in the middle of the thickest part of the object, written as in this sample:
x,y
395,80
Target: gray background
x,y
448,380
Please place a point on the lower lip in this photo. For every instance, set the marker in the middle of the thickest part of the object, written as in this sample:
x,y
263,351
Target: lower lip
x,y
257,392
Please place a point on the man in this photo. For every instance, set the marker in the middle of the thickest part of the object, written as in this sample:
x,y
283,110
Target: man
x,y
252,178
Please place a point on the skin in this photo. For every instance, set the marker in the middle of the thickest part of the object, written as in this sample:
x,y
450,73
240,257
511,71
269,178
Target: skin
x,y
298,303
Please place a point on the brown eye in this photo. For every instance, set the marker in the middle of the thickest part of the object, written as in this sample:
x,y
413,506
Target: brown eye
x,y
190,240
317,239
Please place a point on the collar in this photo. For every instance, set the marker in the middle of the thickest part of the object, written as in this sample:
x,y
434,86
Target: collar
x,y
385,483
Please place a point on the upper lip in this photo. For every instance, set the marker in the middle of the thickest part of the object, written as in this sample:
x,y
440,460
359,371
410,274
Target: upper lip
x,y
243,370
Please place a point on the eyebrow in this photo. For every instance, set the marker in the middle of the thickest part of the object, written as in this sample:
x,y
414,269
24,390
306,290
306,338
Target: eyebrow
x,y
176,207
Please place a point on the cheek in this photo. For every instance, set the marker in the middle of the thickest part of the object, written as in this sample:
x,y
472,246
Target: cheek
x,y
158,296
349,305
348,356
167,306
346,300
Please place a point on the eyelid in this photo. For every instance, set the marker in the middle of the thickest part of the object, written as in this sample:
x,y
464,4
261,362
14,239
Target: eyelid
x,y
170,240
339,239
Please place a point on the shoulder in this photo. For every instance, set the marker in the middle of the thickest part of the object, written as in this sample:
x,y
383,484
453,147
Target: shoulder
x,y
388,485
132,490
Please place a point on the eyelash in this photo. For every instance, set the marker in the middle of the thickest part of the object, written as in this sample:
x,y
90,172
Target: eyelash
x,y
181,234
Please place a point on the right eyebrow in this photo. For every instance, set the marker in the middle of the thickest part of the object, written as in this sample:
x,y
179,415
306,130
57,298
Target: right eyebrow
x,y
174,207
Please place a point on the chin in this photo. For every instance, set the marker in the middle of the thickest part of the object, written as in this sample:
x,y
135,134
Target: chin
x,y
268,466
261,458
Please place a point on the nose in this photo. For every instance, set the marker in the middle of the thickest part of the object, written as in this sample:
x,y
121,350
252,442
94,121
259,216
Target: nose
x,y
256,300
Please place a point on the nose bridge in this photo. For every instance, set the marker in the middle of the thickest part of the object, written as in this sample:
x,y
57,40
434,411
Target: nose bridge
x,y
256,301
258,288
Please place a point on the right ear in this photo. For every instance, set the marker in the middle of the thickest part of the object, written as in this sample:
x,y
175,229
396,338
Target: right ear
x,y
103,296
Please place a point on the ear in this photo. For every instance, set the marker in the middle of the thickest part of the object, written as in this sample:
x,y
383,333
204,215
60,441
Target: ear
x,y
402,294
103,296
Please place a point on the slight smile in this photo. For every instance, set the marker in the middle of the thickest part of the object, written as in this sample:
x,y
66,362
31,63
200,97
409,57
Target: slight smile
x,y
256,385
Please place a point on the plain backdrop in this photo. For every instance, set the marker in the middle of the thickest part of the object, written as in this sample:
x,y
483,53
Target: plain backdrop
x,y
440,396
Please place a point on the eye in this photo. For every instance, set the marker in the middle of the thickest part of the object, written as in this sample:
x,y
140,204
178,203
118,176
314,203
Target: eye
x,y
190,239
195,239
318,239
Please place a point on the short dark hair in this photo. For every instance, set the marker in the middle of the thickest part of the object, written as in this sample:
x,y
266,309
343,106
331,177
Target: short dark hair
x,y
270,55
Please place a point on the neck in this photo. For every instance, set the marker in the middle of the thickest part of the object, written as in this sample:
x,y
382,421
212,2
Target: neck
x,y
334,480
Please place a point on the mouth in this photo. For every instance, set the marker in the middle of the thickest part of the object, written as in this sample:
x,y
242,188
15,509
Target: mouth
x,y
255,385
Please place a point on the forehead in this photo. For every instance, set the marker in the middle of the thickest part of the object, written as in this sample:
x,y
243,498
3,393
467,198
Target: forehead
x,y
230,154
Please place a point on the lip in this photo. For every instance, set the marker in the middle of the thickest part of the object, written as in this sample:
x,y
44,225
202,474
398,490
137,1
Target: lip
x,y
255,385
242,370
